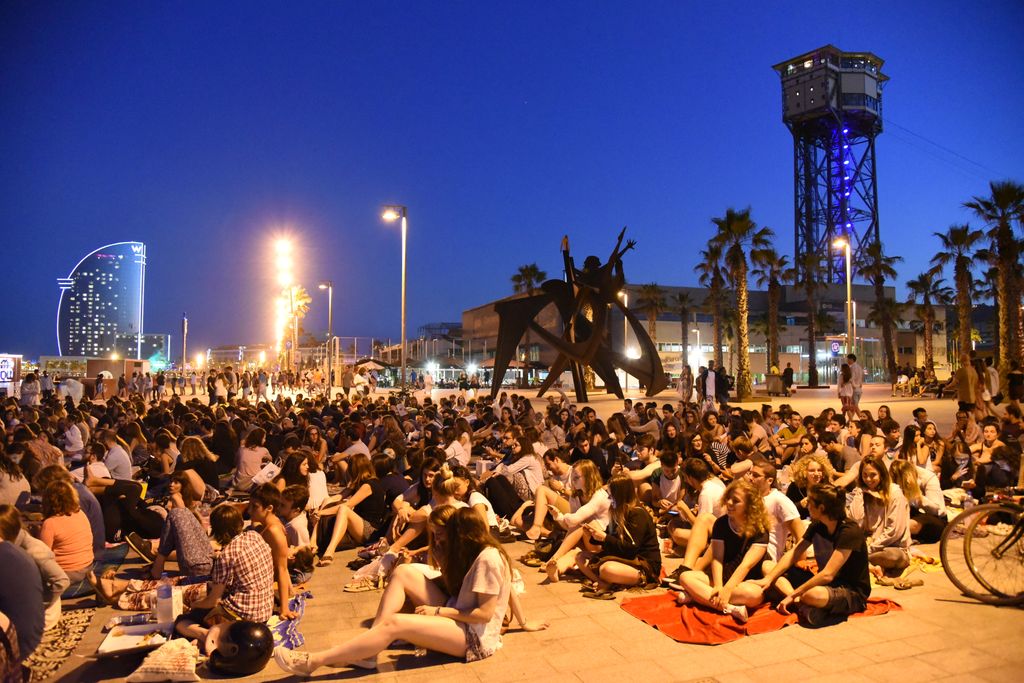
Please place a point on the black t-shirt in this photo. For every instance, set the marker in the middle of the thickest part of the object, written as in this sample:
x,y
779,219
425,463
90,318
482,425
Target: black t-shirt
x,y
797,494
848,536
736,548
394,486
21,596
373,508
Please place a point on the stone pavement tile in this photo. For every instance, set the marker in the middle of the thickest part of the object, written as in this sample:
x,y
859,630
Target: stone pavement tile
x,y
698,661
784,671
887,651
770,648
903,670
963,659
593,656
1002,674
962,678
835,662
893,626
996,645
643,670
748,676
501,668
838,677
835,638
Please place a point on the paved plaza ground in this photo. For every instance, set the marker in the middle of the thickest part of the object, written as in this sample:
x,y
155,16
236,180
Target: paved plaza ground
x,y
938,636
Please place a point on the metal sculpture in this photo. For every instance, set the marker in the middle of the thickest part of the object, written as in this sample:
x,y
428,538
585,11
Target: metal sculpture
x,y
583,300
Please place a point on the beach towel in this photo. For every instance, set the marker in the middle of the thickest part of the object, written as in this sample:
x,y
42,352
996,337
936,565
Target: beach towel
x,y
703,626
286,631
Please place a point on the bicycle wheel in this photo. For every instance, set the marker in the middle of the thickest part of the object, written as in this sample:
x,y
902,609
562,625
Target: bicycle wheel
x,y
952,550
994,550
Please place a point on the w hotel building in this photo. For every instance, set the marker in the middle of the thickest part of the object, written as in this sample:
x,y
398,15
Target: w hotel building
x,y
101,302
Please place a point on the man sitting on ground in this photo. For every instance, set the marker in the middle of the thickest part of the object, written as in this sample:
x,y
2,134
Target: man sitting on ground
x,y
842,585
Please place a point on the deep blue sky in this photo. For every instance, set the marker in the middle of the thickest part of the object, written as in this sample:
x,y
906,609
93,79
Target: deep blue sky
x,y
201,128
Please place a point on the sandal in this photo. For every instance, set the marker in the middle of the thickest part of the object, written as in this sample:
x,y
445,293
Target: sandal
x,y
325,561
600,595
531,561
906,584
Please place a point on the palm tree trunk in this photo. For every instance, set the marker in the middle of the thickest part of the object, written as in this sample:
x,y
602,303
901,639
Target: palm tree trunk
x,y
888,346
719,361
1004,303
652,327
743,384
963,308
929,355
773,325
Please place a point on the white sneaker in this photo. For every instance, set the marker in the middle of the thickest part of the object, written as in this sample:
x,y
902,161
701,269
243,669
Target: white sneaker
x,y
682,597
295,663
738,612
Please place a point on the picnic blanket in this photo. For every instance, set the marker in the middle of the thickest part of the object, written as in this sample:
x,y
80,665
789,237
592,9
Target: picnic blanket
x,y
286,631
703,626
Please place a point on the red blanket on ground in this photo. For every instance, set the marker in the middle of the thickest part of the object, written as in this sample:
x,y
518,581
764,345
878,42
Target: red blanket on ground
x,y
697,624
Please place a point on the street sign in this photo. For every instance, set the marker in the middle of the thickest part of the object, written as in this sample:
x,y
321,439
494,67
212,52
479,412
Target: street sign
x,y
836,346
288,345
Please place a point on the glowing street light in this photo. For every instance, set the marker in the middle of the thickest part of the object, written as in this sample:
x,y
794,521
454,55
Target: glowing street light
x,y
329,286
851,324
391,214
199,361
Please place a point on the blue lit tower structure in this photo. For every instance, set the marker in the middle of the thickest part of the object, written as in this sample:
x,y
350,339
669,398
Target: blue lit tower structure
x,y
832,104
101,299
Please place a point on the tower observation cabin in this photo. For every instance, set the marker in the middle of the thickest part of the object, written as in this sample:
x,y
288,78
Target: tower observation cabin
x,y
832,104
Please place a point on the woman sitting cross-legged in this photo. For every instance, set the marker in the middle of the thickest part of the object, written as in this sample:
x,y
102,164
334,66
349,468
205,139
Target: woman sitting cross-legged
x,y
363,512
475,573
629,554
739,541
879,507
591,506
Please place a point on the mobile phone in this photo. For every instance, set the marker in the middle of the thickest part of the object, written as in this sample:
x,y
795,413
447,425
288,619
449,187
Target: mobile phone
x,y
673,512
554,509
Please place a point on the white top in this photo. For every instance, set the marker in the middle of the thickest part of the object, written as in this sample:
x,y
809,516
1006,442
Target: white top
x,y
455,450
487,576
477,498
118,463
357,446
710,499
931,492
598,509
668,489
857,372
297,531
781,510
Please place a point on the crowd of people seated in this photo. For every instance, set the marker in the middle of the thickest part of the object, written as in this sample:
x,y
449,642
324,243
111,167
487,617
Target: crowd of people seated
x,y
247,497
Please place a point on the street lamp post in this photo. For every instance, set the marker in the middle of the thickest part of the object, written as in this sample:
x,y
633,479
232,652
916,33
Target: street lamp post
x,y
699,353
391,214
851,331
329,286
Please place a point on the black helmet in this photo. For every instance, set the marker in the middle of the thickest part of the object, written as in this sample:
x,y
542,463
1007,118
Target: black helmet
x,y
248,648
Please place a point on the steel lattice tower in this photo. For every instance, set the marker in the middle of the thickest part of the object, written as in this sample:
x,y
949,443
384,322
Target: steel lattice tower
x,y
832,104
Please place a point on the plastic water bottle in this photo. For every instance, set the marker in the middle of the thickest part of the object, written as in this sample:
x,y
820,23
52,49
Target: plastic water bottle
x,y
165,600
969,501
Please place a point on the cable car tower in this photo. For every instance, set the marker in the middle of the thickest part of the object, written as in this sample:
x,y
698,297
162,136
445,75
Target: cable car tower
x,y
832,104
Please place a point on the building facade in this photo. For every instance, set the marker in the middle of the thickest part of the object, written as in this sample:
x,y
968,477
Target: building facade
x,y
102,301
691,341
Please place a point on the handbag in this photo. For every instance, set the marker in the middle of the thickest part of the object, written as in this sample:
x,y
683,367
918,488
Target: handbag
x,y
547,546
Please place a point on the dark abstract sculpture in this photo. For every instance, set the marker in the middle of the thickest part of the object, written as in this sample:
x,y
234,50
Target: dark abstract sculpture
x,y
583,301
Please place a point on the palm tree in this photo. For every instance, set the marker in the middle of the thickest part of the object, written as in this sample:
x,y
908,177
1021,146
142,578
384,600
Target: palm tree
x,y
683,305
1000,211
730,330
958,243
713,277
652,302
738,234
810,270
525,281
876,269
772,271
929,288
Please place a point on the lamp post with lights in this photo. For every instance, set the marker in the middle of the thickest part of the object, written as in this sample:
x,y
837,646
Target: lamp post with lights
x,y
329,286
391,214
844,244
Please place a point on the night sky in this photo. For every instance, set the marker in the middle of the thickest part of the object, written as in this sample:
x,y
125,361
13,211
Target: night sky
x,y
206,128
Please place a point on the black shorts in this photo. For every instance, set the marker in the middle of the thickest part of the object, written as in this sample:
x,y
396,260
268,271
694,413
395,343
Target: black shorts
x,y
843,601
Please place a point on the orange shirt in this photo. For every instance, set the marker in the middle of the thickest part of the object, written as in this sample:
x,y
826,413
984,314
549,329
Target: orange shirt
x,y
70,538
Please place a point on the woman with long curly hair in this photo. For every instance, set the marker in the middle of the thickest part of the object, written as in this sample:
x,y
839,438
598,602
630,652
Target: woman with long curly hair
x,y
461,617
806,472
739,542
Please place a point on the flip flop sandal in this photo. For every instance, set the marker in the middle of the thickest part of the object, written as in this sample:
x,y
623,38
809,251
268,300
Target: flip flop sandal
x,y
532,561
588,588
600,595
325,561
884,581
907,584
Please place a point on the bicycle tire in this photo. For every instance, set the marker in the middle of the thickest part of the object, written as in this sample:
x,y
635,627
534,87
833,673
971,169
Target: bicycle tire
x,y
997,595
954,559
